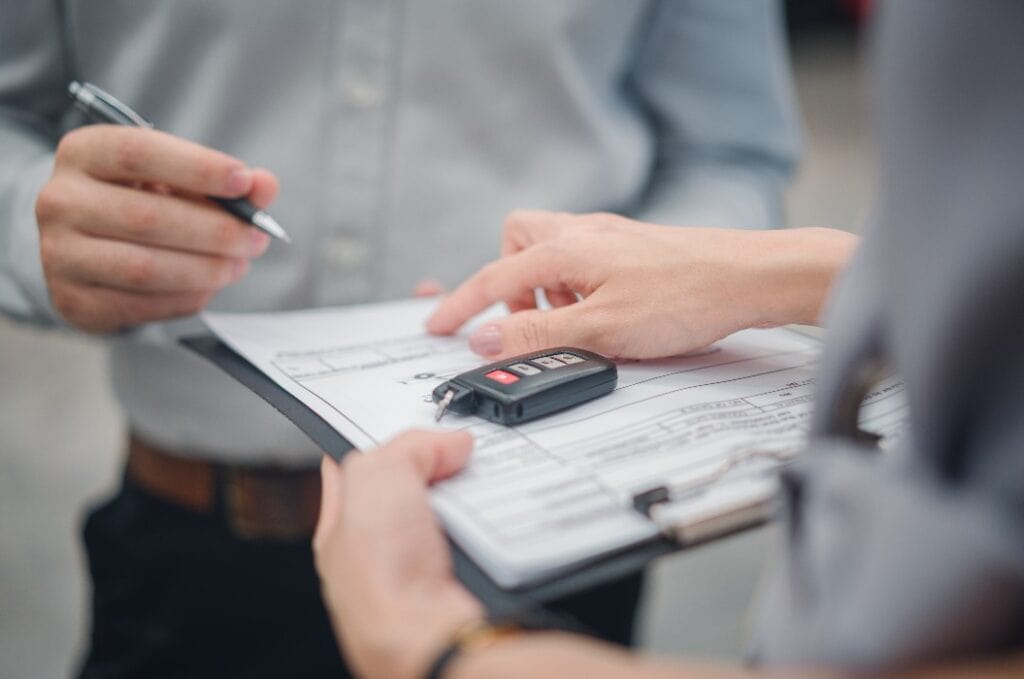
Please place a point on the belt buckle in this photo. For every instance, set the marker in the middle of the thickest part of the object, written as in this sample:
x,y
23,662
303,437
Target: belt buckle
x,y
271,504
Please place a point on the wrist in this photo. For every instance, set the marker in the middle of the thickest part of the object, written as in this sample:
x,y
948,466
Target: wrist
x,y
474,648
798,269
468,640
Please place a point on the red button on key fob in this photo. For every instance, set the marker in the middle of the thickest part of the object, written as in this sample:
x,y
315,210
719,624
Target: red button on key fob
x,y
502,376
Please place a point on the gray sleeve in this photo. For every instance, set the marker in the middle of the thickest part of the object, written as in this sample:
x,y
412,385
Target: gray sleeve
x,y
714,79
33,81
886,567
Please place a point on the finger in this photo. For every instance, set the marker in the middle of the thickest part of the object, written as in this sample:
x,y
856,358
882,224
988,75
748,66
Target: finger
x,y
433,455
265,187
116,212
560,298
138,268
526,301
552,298
524,228
104,310
128,154
534,330
330,494
428,288
503,280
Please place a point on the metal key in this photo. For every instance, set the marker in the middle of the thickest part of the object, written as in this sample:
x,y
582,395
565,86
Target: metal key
x,y
443,404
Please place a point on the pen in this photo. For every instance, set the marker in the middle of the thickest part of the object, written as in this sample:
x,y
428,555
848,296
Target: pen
x,y
105,108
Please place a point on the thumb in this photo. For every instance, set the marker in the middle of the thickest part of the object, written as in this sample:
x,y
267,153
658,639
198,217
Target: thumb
x,y
535,330
330,497
433,455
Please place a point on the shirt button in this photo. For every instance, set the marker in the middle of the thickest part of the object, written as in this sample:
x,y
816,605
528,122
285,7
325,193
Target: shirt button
x,y
346,253
361,94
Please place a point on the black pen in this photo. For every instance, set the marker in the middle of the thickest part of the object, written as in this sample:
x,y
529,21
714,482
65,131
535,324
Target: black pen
x,y
105,108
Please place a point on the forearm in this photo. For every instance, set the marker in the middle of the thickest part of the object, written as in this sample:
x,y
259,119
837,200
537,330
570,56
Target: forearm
x,y
797,269
1001,668
555,655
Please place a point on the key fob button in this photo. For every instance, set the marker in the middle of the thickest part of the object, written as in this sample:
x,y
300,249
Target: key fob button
x,y
501,377
568,359
549,362
524,369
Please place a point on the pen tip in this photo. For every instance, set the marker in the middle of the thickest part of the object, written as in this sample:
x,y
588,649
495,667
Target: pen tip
x,y
270,225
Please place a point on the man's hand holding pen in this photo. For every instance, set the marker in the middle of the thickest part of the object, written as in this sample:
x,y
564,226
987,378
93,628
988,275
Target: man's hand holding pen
x,y
127,235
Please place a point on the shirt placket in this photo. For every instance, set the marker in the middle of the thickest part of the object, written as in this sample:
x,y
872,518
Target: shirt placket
x,y
362,88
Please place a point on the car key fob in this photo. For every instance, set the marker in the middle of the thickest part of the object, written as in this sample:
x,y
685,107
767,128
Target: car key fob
x,y
529,386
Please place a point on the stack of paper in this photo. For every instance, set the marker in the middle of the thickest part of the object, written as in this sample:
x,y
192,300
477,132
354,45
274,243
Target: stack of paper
x,y
542,498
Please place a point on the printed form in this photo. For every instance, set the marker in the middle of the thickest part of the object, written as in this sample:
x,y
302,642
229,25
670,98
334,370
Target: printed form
x,y
542,498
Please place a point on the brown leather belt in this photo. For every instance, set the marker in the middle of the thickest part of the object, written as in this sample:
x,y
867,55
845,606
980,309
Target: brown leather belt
x,y
258,503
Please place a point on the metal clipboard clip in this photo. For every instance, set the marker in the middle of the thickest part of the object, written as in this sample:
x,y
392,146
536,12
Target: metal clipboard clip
x,y
742,491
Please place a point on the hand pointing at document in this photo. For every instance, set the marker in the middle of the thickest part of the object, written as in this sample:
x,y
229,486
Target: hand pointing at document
x,y
628,289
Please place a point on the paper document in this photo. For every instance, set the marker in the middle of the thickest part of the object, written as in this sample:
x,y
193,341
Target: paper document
x,y
541,498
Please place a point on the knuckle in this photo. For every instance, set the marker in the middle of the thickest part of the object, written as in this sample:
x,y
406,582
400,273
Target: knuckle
x,y
65,300
131,152
80,310
139,270
70,145
557,256
533,332
50,204
143,215
515,219
552,251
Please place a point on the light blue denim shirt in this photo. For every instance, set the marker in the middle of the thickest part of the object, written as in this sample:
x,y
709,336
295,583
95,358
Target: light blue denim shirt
x,y
402,133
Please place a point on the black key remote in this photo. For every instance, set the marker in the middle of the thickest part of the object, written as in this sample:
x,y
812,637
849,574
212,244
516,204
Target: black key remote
x,y
529,386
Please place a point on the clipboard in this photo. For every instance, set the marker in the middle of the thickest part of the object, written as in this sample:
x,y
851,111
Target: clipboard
x,y
603,570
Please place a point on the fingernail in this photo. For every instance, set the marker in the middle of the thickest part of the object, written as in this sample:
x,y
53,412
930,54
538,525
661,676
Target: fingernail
x,y
486,340
258,242
239,181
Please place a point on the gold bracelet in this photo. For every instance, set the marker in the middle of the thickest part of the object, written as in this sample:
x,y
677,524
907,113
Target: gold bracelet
x,y
472,636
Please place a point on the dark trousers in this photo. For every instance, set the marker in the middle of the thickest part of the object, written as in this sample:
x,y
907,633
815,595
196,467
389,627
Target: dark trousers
x,y
175,594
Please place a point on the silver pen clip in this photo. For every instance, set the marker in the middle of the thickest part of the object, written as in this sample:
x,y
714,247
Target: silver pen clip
x,y
86,93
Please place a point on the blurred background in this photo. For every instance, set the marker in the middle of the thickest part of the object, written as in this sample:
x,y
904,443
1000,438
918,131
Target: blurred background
x,y
61,433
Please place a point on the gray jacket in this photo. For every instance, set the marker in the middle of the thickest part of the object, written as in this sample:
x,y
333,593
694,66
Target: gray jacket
x,y
918,554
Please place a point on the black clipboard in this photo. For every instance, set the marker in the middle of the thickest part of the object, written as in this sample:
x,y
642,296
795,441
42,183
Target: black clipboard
x,y
499,601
